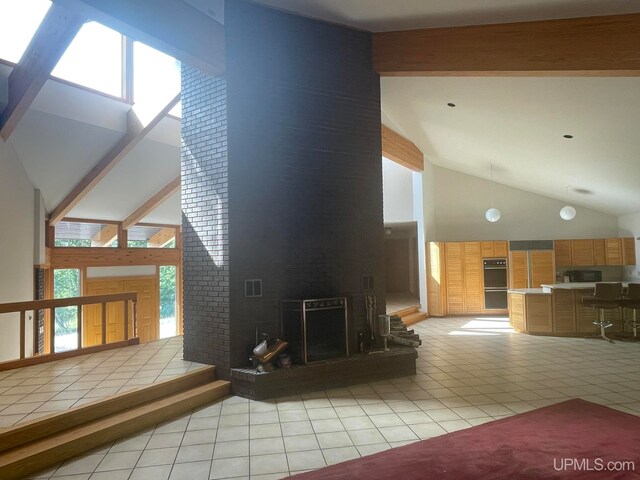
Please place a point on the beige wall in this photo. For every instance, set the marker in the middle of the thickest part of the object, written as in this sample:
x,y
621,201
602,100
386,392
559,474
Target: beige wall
x,y
16,244
461,201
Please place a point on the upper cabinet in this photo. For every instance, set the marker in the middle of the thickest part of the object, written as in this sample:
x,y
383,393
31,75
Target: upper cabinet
x,y
494,249
595,252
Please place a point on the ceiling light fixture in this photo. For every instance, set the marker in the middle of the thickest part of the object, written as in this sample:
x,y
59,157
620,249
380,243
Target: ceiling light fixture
x,y
451,104
493,214
568,136
567,212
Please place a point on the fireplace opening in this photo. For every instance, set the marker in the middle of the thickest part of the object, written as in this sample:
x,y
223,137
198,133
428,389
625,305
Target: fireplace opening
x,y
316,329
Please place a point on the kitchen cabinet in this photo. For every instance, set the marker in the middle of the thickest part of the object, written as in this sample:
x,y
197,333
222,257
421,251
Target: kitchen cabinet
x,y
473,281
436,289
613,251
582,253
595,252
628,251
494,249
530,313
564,311
599,252
463,277
531,268
562,250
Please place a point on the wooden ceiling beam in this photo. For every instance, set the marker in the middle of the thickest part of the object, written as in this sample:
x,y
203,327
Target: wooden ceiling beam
x,y
148,206
590,46
162,238
171,26
401,150
55,33
106,236
135,134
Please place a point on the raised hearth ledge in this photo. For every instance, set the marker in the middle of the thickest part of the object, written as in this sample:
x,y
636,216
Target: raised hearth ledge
x,y
399,361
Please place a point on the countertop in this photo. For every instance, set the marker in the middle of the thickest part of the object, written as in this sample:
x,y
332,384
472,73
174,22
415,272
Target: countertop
x,y
529,291
572,285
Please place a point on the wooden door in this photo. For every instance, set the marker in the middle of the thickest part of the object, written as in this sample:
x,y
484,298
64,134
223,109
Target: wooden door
x,y
396,254
92,314
518,269
454,252
542,268
582,253
562,249
599,252
613,251
473,280
148,309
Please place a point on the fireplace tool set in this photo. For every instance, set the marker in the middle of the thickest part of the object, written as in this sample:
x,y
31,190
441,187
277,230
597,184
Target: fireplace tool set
x,y
266,351
379,325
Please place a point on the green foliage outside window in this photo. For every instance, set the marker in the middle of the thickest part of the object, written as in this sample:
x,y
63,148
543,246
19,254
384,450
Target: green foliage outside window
x,y
66,283
167,292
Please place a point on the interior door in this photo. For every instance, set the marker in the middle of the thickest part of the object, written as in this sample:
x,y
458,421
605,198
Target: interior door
x,y
396,254
92,314
148,309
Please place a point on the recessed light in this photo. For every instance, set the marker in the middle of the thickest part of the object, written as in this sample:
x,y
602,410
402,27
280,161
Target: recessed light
x,y
568,136
451,104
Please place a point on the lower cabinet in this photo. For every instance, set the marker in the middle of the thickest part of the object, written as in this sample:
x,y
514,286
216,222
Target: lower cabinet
x,y
530,313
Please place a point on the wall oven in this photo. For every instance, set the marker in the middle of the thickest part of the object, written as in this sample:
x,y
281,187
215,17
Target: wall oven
x,y
495,283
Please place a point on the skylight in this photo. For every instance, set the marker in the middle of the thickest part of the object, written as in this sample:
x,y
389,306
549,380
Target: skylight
x,y
19,20
156,80
93,59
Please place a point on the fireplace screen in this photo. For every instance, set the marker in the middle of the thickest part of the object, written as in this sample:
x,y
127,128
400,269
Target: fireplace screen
x,y
315,329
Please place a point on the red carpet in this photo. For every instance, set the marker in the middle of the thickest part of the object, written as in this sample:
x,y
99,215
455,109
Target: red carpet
x,y
580,436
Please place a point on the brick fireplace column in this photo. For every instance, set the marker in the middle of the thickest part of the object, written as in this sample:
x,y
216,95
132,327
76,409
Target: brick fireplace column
x,y
281,179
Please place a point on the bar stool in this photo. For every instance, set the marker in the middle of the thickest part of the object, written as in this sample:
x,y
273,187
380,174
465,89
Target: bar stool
x,y
607,296
632,301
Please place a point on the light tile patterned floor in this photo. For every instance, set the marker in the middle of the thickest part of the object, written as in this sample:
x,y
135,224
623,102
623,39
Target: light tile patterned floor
x,y
31,392
469,372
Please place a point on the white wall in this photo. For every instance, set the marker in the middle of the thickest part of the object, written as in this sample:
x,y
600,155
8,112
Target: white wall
x,y
397,184
16,245
629,226
461,201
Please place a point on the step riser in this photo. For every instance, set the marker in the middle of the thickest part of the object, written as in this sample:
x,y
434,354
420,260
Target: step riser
x,y
25,461
413,319
43,427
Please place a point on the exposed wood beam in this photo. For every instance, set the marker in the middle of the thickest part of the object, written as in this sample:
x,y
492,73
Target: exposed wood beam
x,y
591,46
57,30
135,134
162,238
172,26
401,150
106,236
148,206
72,257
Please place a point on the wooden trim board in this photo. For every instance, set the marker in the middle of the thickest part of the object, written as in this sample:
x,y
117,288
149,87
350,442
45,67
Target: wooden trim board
x,y
401,150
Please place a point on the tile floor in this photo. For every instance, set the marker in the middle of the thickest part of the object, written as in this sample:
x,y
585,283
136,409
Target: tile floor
x,y
32,392
470,371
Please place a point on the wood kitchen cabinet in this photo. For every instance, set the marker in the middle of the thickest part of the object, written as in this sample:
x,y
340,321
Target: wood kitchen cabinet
x,y
518,266
464,277
562,250
530,313
599,252
494,249
628,251
582,253
542,268
436,288
613,251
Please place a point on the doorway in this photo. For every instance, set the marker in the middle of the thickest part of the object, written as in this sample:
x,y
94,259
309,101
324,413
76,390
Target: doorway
x,y
401,266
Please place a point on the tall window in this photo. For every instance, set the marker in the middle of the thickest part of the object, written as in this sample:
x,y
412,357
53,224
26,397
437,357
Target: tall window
x,y
66,283
94,59
19,20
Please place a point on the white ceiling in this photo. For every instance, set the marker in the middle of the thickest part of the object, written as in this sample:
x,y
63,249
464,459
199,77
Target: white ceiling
x,y
386,15
515,123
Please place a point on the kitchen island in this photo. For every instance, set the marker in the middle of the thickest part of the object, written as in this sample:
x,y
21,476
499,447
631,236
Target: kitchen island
x,y
557,310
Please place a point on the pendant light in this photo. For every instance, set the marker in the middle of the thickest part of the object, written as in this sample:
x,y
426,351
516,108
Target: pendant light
x,y
493,214
567,212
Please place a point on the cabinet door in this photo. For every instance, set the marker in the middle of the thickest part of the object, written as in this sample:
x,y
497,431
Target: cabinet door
x,y
487,250
436,301
599,255
473,280
453,252
500,249
518,277
613,251
542,268
582,254
628,251
539,313
564,311
562,249
517,313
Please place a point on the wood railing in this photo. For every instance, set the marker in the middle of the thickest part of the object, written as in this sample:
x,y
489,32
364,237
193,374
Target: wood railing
x,y
36,306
